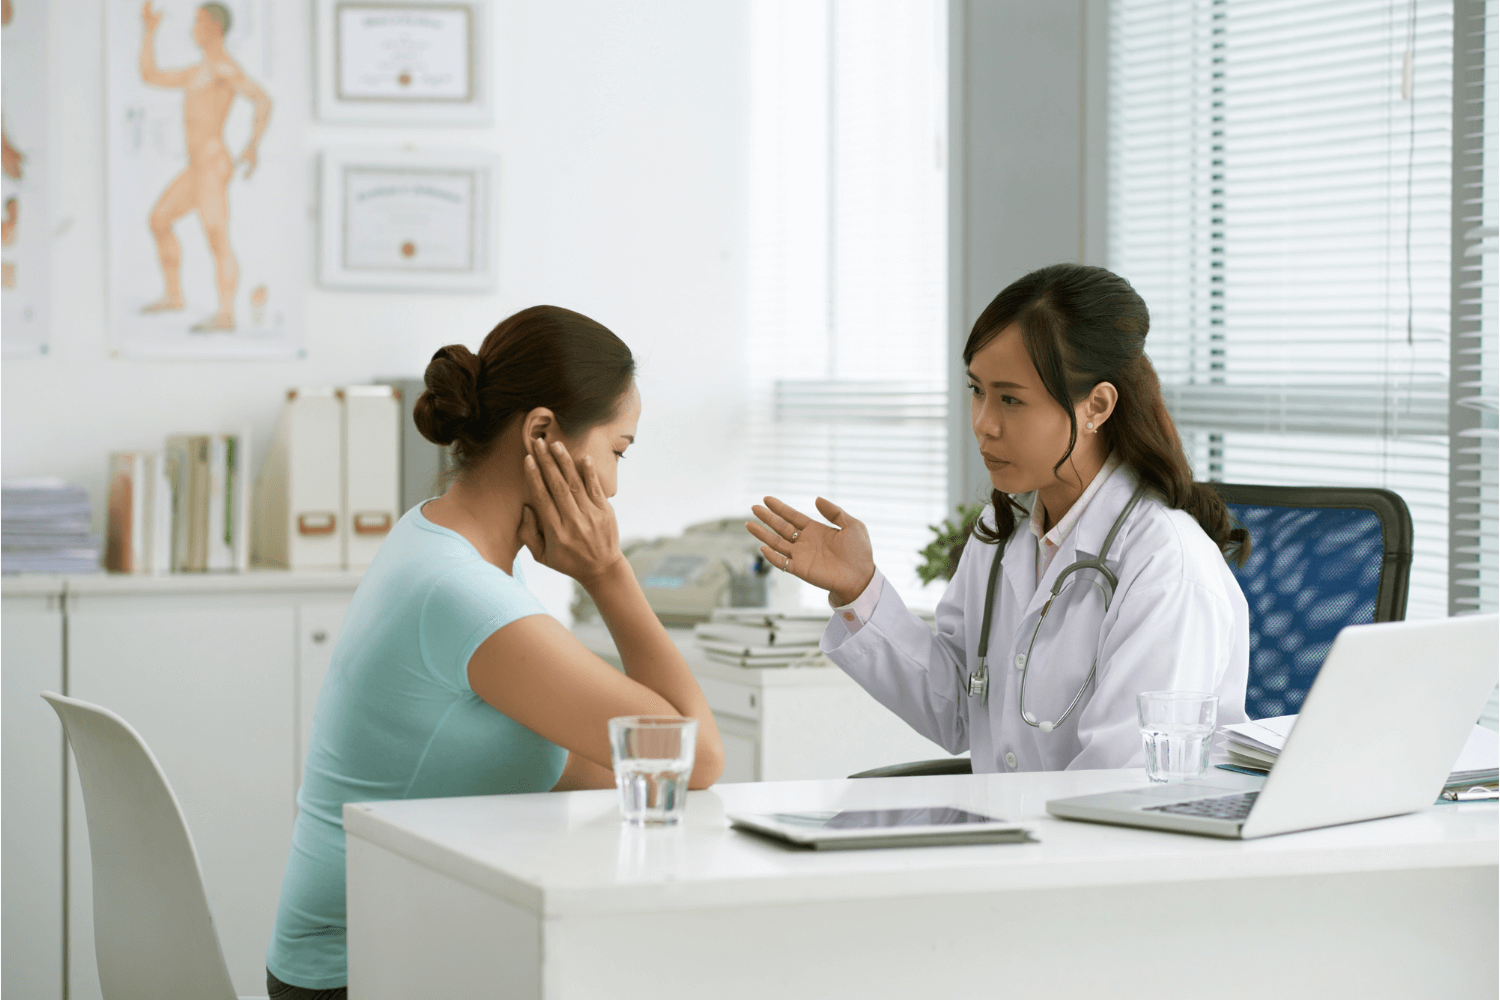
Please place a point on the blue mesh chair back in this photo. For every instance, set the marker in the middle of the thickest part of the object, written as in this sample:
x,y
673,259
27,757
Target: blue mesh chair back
x,y
1320,558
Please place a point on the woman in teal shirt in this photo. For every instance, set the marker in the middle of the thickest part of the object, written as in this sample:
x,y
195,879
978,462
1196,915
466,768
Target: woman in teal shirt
x,y
448,677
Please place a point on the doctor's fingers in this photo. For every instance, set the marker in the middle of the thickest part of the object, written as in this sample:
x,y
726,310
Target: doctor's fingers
x,y
798,520
780,561
773,541
835,514
775,521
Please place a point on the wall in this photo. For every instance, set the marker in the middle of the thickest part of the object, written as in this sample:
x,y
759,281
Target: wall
x,y
1027,113
620,132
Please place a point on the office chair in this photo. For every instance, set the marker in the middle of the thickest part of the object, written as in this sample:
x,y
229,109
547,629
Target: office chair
x,y
1321,557
153,931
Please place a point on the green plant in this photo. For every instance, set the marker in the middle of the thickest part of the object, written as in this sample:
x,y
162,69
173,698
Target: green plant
x,y
940,557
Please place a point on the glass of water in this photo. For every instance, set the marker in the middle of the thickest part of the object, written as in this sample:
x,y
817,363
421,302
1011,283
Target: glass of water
x,y
1176,730
653,757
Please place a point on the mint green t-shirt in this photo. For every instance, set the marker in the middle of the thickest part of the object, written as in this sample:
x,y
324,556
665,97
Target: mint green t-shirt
x,y
396,719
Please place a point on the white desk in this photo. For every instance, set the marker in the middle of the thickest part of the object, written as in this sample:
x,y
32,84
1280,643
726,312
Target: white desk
x,y
548,896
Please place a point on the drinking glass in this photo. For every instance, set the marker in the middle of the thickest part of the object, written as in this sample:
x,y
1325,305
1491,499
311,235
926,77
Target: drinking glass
x,y
1176,729
653,757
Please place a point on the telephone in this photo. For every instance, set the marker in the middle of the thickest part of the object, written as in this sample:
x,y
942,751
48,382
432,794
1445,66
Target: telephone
x,y
714,564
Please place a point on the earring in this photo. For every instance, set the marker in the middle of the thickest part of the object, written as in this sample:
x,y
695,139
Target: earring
x,y
1089,425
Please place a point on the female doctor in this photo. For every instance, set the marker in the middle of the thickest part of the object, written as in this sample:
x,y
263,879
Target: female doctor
x,y
1097,572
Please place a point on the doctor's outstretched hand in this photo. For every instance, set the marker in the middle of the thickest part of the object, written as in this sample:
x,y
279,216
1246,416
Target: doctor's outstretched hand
x,y
838,559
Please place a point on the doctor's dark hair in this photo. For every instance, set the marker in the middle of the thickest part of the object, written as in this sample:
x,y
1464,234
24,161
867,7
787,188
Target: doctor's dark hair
x,y
1081,326
542,356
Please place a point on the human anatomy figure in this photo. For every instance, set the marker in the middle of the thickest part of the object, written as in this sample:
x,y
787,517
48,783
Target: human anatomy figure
x,y
209,89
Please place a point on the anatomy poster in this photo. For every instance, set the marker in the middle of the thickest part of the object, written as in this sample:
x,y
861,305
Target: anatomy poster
x,y
206,237
25,227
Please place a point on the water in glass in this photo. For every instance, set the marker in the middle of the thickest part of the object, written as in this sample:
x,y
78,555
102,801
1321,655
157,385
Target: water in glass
x,y
1176,730
652,792
653,758
1176,751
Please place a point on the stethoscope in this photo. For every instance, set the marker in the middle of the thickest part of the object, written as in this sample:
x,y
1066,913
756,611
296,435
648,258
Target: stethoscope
x,y
979,680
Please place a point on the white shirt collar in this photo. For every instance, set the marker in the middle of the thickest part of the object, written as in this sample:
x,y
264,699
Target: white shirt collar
x,y
1064,527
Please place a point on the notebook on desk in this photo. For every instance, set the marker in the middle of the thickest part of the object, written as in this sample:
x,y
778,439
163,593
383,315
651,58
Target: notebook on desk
x,y
1388,715
1252,748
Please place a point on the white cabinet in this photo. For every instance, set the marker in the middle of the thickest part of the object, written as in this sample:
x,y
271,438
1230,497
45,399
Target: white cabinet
x,y
789,723
214,673
32,790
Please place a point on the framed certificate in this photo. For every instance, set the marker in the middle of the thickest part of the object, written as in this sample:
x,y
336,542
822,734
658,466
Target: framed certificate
x,y
405,220
410,62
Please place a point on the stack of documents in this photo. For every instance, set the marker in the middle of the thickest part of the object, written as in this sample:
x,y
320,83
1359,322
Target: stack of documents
x,y
760,637
1253,746
46,528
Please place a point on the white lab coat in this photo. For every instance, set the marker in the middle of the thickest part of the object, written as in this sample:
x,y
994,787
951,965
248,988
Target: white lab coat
x,y
1178,621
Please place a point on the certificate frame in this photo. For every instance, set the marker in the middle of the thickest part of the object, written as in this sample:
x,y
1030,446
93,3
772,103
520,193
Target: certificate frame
x,y
381,210
359,42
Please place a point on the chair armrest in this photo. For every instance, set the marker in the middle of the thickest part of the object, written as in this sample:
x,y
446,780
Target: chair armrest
x,y
917,768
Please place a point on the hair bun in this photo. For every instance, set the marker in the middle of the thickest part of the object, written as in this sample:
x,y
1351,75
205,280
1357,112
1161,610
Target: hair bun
x,y
449,408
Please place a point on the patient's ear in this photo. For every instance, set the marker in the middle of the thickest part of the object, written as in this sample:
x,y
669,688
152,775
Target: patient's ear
x,y
540,424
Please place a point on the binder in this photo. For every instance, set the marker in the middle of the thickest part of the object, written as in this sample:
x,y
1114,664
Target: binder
x,y
371,470
299,493
424,466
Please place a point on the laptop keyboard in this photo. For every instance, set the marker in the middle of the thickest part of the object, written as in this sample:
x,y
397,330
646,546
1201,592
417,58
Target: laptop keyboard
x,y
1218,807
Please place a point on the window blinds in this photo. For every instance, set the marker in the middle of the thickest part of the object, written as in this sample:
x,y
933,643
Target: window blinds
x,y
1476,306
847,270
1279,185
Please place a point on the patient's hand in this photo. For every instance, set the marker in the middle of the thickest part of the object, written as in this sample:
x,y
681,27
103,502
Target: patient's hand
x,y
838,559
567,522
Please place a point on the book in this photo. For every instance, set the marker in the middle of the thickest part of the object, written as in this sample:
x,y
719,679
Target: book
x,y
160,501
1254,746
227,537
800,658
128,521
788,634
188,474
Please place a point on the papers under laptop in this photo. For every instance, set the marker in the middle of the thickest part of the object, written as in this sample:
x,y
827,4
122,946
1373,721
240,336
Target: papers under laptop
x,y
1253,747
1390,713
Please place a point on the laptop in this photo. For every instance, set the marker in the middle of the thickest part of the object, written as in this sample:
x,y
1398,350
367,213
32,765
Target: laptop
x,y
1387,716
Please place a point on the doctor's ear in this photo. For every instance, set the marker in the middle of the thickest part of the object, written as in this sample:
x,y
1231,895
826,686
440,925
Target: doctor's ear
x,y
1096,407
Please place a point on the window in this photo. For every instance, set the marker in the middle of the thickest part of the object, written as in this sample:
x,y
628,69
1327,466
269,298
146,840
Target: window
x,y
847,274
1280,179
1476,307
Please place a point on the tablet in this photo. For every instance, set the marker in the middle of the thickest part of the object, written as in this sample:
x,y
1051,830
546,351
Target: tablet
x,y
928,826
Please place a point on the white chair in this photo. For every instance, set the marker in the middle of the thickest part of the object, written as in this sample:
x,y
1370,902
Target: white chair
x,y
153,933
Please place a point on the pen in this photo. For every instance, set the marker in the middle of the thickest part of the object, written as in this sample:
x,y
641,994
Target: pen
x,y
1475,794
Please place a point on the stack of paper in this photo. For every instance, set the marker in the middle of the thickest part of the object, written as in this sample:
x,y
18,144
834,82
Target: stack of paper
x,y
46,528
1254,746
759,637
